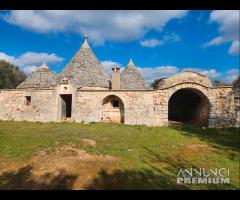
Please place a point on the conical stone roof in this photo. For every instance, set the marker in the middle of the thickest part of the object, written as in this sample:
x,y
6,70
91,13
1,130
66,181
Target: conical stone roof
x,y
131,78
84,70
43,77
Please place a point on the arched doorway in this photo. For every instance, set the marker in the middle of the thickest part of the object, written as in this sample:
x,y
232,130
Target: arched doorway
x,y
189,105
112,109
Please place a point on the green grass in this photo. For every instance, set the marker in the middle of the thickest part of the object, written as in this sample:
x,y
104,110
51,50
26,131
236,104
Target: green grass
x,y
149,156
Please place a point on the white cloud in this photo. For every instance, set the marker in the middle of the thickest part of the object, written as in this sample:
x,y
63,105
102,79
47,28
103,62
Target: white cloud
x,y
151,43
172,37
233,72
231,75
10,59
99,25
152,73
149,73
211,73
229,79
30,69
169,37
228,21
29,61
30,58
108,65
235,48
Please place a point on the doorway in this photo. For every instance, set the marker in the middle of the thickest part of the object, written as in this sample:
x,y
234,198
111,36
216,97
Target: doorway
x,y
112,109
66,106
188,106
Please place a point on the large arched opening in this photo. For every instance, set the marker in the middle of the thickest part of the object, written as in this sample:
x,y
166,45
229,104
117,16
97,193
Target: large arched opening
x,y
190,106
112,109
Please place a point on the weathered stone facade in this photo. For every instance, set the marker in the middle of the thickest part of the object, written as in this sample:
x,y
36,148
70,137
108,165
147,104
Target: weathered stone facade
x,y
79,95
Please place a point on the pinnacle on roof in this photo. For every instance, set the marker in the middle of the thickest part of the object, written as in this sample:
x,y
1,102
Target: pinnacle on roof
x,y
85,43
130,63
44,66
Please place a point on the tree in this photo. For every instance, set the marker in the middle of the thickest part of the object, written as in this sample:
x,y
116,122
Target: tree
x,y
217,83
236,83
10,75
156,83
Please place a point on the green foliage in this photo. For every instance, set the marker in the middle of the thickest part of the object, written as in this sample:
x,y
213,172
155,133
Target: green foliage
x,y
217,83
154,84
236,83
10,75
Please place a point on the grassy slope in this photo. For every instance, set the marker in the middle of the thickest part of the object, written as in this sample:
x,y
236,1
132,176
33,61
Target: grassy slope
x,y
149,156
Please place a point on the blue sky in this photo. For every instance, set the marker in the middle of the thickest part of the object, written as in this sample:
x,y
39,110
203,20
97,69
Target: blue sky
x,y
161,43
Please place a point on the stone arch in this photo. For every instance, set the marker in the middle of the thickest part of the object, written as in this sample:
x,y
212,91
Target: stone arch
x,y
186,77
189,103
112,109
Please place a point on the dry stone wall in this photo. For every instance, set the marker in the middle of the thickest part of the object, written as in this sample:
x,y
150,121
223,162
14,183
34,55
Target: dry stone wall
x,y
42,107
145,107
138,106
224,110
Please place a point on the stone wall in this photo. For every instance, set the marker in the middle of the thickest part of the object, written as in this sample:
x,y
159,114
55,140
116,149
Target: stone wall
x,y
138,106
224,102
162,96
149,107
236,92
185,77
224,108
42,107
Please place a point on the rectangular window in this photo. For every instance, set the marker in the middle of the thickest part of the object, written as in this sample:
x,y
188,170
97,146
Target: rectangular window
x,y
28,100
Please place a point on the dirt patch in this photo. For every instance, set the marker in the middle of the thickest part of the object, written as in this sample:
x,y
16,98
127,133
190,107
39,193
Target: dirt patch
x,y
60,168
200,147
88,142
195,153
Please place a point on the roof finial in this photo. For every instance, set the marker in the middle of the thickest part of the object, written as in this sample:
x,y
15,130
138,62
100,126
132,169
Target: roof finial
x,y
85,37
131,62
85,43
44,66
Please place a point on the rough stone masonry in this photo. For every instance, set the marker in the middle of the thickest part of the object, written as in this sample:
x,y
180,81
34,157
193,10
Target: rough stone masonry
x,y
83,92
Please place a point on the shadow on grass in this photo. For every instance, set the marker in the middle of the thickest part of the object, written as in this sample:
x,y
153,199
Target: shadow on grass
x,y
151,177
160,173
172,164
23,179
226,138
133,180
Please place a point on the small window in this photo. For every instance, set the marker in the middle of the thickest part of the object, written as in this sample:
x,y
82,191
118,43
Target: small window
x,y
28,100
115,104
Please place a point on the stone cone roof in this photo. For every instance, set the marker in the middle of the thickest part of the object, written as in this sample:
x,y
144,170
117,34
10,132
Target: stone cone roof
x,y
132,79
84,70
43,77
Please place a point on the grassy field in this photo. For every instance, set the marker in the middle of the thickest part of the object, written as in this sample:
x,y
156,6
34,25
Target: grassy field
x,y
146,157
